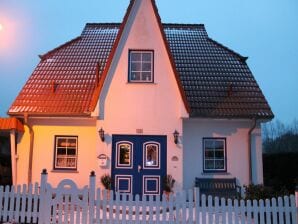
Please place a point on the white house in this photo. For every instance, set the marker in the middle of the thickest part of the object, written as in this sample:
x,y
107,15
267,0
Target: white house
x,y
111,99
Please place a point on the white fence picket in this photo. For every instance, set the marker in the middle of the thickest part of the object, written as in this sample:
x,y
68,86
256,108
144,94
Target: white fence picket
x,y
262,210
280,211
242,211
31,204
287,209
35,203
11,203
249,211
268,211
274,211
294,209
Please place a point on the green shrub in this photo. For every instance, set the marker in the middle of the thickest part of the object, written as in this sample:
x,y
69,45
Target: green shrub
x,y
262,192
106,181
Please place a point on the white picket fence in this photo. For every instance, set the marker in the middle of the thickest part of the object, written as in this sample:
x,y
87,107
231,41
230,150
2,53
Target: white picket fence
x,y
68,204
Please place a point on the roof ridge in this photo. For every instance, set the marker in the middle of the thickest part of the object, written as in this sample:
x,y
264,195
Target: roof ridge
x,y
242,58
107,24
49,53
179,25
188,25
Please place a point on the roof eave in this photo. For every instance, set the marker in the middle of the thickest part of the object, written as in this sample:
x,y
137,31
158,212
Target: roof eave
x,y
257,117
41,114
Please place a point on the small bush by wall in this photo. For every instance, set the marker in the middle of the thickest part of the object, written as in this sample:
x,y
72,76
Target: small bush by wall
x,y
280,171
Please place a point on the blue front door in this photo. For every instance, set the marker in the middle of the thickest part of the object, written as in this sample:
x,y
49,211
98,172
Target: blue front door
x,y
138,163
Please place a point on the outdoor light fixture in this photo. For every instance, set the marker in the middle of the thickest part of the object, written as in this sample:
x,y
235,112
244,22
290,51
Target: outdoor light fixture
x,y
101,133
176,135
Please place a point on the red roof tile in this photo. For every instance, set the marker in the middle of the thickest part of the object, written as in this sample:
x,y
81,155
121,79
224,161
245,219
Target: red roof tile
x,y
214,81
11,124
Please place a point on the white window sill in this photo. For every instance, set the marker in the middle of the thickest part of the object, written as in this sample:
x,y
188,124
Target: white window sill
x,y
216,173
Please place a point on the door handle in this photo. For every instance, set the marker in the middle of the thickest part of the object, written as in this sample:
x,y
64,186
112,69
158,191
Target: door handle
x,y
139,168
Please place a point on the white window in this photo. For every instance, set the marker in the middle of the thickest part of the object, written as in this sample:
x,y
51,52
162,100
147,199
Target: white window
x,y
214,154
66,152
140,66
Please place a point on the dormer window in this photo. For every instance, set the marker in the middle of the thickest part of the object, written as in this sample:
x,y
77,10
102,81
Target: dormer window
x,y
140,66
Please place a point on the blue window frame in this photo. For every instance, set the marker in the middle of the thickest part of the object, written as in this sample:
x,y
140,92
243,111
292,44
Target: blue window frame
x,y
214,155
141,66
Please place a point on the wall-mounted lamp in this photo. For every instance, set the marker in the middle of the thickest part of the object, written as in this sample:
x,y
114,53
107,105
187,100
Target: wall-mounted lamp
x,y
101,133
176,135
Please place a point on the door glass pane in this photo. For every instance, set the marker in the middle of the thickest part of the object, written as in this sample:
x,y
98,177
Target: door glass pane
x,y
124,155
151,155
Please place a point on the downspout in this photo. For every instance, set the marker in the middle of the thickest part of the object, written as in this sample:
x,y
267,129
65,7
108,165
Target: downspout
x,y
13,154
249,150
31,132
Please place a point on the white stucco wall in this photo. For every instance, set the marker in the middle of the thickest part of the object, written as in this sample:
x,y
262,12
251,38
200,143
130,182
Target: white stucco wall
x,y
45,130
155,108
236,134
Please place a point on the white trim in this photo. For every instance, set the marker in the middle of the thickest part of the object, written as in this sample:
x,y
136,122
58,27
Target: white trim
x,y
124,177
151,177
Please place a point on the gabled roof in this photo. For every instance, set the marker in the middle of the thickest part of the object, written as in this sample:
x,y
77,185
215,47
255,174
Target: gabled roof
x,y
215,81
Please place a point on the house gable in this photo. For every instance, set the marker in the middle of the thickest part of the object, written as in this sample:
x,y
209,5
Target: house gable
x,y
142,31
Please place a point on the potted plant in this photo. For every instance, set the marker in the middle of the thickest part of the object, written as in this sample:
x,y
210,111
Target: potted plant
x,y
106,181
168,184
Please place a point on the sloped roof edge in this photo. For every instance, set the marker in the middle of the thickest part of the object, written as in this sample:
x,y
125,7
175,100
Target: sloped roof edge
x,y
177,78
110,58
49,53
242,58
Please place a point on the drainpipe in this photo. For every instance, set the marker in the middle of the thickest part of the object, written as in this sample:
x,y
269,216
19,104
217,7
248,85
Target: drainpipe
x,y
31,132
249,149
13,154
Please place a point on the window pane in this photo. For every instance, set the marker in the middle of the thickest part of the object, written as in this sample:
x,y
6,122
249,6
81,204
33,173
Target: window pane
x,y
124,154
71,151
209,164
135,76
61,162
209,154
61,151
135,66
209,144
146,76
71,162
62,142
219,164
146,66
135,56
218,144
152,152
147,56
219,154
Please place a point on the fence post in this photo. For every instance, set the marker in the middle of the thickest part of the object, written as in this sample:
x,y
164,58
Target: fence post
x,y
91,196
42,195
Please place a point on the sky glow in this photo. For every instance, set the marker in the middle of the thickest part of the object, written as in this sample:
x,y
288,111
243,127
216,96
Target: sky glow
x,y
265,31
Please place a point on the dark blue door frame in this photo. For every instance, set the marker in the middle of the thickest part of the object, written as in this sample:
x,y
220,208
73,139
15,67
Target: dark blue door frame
x,y
139,163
